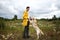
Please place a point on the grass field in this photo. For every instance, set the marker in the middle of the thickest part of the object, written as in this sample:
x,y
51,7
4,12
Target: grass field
x,y
14,30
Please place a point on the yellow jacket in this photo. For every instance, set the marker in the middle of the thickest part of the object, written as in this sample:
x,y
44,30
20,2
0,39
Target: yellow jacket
x,y
25,18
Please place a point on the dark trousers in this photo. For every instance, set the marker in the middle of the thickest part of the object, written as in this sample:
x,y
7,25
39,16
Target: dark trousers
x,y
26,31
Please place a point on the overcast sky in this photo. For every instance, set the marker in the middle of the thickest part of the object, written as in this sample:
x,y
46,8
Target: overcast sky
x,y
38,8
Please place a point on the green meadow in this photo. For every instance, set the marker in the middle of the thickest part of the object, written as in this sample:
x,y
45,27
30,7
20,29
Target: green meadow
x,y
13,30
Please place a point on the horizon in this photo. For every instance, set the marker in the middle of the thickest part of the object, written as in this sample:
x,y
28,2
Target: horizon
x,y
34,17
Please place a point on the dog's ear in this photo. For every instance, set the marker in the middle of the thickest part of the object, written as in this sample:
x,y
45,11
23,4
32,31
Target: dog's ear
x,y
30,18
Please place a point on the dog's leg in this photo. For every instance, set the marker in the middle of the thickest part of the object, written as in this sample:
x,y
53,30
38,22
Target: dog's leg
x,y
38,33
41,32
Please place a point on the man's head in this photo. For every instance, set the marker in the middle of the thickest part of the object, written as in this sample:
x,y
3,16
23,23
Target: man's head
x,y
27,8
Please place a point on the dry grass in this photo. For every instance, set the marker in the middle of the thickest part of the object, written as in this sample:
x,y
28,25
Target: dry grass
x,y
15,28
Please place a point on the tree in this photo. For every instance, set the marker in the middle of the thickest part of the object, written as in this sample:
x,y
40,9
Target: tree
x,y
15,17
54,17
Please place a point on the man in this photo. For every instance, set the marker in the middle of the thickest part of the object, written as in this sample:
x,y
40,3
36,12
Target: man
x,y
26,23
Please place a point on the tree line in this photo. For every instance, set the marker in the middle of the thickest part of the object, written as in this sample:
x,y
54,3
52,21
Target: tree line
x,y
15,18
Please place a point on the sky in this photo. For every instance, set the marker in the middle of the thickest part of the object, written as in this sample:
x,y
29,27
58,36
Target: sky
x,y
38,8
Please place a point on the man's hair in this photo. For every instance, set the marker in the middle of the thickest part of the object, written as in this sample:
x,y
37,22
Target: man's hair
x,y
27,7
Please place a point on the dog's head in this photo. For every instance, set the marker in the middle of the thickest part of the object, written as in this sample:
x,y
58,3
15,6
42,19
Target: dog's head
x,y
32,18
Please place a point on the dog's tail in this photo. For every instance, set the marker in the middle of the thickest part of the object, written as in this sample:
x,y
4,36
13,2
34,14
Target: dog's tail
x,y
41,32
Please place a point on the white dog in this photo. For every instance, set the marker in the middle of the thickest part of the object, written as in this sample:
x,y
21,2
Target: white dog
x,y
33,21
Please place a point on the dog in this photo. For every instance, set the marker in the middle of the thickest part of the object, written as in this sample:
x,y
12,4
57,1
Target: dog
x,y
34,24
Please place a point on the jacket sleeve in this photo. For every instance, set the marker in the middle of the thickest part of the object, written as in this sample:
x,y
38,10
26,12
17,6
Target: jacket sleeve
x,y
25,15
